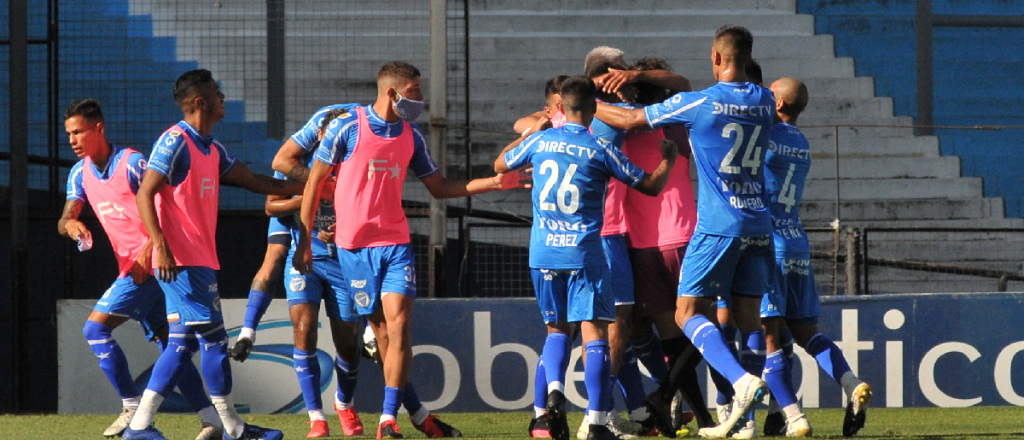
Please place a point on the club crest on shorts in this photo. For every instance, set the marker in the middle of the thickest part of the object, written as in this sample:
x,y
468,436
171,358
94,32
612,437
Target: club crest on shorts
x,y
362,299
298,284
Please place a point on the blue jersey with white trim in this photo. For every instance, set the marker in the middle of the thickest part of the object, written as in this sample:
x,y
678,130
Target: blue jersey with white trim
x,y
571,172
136,168
170,155
729,126
786,167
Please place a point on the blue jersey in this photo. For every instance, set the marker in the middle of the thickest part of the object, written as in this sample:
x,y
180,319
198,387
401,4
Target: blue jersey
x,y
729,125
604,132
342,137
786,166
170,156
571,171
307,136
136,168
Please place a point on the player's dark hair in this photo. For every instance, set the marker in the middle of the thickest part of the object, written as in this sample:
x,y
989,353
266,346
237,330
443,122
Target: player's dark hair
x,y
601,68
647,93
741,40
398,69
579,94
753,72
331,115
87,109
554,85
189,85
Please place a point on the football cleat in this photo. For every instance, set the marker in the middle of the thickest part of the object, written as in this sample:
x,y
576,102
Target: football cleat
x,y
749,389
600,432
388,429
623,428
539,427
318,429
856,409
253,432
799,427
121,423
350,423
661,412
584,431
433,427
241,350
774,424
150,433
745,428
557,423
210,432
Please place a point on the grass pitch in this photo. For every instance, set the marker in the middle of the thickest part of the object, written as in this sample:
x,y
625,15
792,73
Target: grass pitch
x,y
902,423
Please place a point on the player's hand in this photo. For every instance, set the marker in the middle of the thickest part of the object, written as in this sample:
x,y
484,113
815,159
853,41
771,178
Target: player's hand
x,y
143,266
612,81
543,123
302,261
327,192
669,150
77,230
627,94
327,235
513,179
166,270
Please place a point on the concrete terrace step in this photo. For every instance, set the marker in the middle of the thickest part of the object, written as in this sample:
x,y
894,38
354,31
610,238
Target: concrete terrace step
x,y
486,70
704,6
854,145
887,168
881,189
894,210
630,21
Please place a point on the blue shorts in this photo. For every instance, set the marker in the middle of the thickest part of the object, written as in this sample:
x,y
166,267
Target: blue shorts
x,y
795,296
278,233
717,266
573,295
143,303
620,272
194,296
373,272
310,288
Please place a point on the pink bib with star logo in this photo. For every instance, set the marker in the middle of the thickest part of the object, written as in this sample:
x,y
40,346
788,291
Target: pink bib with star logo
x,y
368,196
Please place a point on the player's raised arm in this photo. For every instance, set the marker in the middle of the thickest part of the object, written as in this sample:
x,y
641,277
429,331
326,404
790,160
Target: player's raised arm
x,y
303,259
288,161
620,117
653,183
612,81
240,175
152,181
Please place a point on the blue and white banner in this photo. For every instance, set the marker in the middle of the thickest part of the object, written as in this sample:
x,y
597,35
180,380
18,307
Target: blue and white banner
x,y
480,354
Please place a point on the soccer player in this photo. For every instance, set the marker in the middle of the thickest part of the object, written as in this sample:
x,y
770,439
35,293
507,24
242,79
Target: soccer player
x,y
570,274
108,177
371,150
178,201
792,308
731,253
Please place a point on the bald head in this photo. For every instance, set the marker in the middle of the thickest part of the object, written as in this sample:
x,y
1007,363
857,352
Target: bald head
x,y
792,95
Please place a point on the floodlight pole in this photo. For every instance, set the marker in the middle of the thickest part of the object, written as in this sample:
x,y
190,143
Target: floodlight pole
x,y
438,147
18,123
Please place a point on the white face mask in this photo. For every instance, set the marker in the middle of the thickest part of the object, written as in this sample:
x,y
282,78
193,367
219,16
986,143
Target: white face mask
x,y
408,109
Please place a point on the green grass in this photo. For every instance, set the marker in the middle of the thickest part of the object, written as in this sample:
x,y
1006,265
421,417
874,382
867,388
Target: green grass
x,y
927,423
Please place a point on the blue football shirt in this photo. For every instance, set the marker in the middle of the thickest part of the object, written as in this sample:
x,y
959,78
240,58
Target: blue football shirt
x,y
571,170
786,166
729,126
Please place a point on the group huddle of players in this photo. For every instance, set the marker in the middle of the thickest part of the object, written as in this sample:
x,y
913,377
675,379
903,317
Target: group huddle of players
x,y
621,255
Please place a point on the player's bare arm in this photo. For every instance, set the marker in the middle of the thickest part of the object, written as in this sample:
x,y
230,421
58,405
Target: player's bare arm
x,y
143,265
68,225
327,235
612,81
441,188
653,183
239,175
152,181
540,123
280,206
681,136
303,259
526,122
620,117
288,161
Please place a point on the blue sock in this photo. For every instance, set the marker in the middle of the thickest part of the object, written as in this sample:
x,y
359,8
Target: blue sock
x,y
169,368
411,400
786,340
595,375
307,370
191,385
556,359
830,358
255,308
112,359
630,381
775,375
706,337
213,343
346,378
392,400
752,356
649,352
540,386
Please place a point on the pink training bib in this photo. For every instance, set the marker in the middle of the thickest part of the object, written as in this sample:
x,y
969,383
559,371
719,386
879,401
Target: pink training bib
x,y
114,204
188,212
368,196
